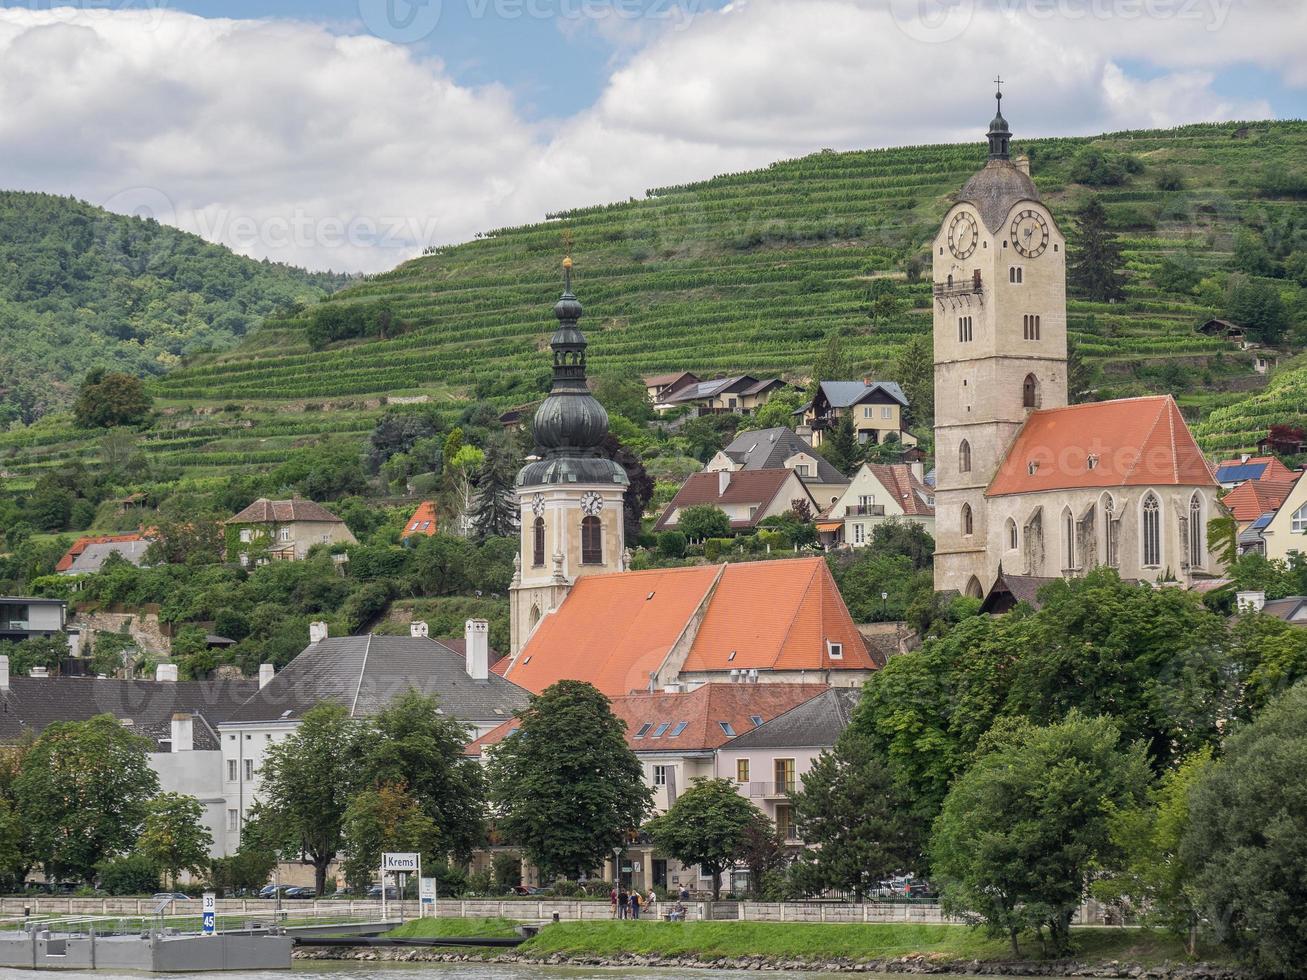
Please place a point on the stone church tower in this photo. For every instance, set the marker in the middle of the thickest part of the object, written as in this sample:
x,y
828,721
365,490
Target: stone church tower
x,y
1000,346
571,498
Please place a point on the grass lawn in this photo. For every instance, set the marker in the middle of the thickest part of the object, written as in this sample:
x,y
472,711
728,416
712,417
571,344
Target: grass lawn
x,y
713,940
490,928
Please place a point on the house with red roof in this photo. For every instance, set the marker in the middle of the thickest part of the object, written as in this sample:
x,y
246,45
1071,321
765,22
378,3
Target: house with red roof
x,y
422,522
878,493
88,552
746,496
282,530
1026,482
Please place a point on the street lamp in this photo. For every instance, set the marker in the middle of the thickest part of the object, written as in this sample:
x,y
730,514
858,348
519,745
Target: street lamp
x,y
617,866
884,600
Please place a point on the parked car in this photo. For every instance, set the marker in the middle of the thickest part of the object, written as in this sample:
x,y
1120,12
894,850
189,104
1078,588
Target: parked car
x,y
299,891
527,890
391,892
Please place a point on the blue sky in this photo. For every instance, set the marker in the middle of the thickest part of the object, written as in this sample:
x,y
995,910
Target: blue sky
x,y
354,133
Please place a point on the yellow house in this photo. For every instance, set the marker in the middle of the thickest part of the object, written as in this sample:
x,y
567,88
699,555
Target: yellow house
x,y
877,408
1287,531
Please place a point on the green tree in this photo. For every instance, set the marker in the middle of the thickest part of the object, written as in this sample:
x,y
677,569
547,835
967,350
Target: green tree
x,y
130,874
107,399
708,825
703,521
1080,374
1024,830
779,410
494,513
914,369
1259,307
381,819
1244,844
625,396
1271,657
1094,271
566,787
246,870
849,808
883,301
82,793
173,837
308,780
35,651
840,447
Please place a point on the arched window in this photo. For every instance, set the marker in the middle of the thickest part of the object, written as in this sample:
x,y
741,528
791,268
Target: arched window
x,y
1030,392
964,457
1108,550
968,523
535,616
1011,535
1197,544
974,589
592,541
1068,539
1151,531
538,542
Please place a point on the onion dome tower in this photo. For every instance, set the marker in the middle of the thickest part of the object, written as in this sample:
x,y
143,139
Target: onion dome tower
x,y
570,498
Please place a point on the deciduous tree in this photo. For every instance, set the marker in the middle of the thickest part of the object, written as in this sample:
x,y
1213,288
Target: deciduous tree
x,y
107,399
173,836
708,825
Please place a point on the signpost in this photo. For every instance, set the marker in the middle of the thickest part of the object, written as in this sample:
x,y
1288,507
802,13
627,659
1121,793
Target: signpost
x,y
403,863
209,914
427,897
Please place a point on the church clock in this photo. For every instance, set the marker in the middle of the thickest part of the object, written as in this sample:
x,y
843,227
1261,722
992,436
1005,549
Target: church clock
x,y
963,235
1030,233
592,503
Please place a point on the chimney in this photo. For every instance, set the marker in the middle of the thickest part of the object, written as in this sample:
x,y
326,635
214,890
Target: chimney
x,y
918,470
183,732
723,481
418,629
266,673
1023,164
317,632
39,672
1244,457
4,673
1250,601
166,673
804,432
476,633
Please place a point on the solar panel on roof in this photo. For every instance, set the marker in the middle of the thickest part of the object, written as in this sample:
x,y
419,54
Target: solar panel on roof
x,y
1237,474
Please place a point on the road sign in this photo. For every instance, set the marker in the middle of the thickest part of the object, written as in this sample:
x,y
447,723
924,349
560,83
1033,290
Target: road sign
x,y
401,862
209,914
427,896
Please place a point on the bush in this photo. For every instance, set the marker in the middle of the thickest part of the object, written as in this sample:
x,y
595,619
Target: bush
x,y
671,544
703,521
1096,167
130,875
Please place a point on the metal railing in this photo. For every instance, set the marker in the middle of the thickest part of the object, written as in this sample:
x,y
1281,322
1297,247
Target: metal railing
x,y
865,510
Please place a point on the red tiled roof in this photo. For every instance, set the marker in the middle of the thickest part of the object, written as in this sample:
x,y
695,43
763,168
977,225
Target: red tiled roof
x,y
265,511
84,542
899,483
1253,498
702,710
768,615
1132,441
1275,470
746,488
423,521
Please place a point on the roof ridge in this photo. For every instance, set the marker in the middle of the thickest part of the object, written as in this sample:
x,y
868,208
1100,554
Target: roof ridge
x,y
367,649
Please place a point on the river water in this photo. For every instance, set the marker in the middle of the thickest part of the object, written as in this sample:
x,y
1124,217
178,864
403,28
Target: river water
x,y
345,970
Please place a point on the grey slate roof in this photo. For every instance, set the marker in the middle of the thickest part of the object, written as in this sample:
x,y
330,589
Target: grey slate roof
x,y
842,394
817,723
768,449
995,189
265,511
93,557
33,703
365,673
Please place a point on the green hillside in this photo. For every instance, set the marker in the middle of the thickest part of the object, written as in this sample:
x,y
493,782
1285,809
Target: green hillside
x,y
750,272
81,287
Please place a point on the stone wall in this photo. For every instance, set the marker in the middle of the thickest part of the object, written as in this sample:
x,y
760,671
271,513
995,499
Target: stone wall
x,y
144,629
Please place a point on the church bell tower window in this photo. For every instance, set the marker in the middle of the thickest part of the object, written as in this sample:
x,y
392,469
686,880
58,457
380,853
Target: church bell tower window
x,y
592,541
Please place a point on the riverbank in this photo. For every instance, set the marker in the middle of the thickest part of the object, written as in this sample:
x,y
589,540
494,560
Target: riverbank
x,y
858,948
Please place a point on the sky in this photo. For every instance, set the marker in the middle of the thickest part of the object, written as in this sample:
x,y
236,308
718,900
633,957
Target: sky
x,y
351,134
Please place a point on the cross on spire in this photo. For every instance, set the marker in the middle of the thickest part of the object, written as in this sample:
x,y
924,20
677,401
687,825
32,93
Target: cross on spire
x,y
999,95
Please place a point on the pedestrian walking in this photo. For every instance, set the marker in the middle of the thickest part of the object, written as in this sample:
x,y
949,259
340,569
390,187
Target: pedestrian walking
x,y
635,903
652,900
622,901
612,900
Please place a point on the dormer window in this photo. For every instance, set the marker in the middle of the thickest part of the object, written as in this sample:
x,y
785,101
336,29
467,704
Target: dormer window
x,y
1032,467
1092,461
835,650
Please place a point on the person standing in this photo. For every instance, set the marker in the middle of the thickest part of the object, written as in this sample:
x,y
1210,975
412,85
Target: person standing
x,y
622,900
635,903
652,900
612,900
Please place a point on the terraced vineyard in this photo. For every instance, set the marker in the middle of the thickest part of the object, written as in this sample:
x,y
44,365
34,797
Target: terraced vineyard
x,y
745,272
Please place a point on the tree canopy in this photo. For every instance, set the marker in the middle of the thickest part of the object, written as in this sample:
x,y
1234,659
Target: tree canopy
x,y
708,825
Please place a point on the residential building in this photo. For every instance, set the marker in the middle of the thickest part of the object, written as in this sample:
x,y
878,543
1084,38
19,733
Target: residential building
x,y
179,718
780,448
88,552
676,736
660,387
740,394
282,530
779,621
747,497
1285,532
22,617
877,408
1291,609
363,674
878,493
422,522
1253,498
1231,473
1251,539
768,762
1024,480
570,497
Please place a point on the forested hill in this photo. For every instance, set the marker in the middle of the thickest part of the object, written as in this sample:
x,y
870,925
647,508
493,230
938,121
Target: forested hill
x,y
82,287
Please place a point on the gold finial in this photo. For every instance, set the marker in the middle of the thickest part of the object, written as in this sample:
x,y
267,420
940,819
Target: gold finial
x,y
567,262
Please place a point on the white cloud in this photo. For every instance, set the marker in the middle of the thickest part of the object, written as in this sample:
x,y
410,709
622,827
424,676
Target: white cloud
x,y
285,139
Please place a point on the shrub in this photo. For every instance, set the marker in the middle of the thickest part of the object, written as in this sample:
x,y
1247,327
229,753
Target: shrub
x,y
671,544
133,874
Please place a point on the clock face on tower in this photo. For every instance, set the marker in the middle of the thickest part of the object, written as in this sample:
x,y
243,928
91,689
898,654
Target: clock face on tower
x,y
962,235
538,504
1030,233
591,503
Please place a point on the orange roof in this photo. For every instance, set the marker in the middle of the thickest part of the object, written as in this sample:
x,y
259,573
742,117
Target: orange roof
x,y
1253,498
654,721
1122,443
82,543
900,483
614,630
423,521
1273,468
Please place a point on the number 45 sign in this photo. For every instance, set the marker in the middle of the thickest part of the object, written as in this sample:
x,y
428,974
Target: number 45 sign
x,y
209,914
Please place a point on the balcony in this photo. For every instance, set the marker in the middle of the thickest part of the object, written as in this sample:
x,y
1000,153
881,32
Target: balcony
x,y
771,791
959,287
864,510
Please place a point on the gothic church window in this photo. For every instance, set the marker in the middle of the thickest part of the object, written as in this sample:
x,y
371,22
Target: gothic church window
x,y
1030,392
964,457
538,542
592,542
1152,531
968,521
1069,538
1030,326
1197,546
965,330
1011,535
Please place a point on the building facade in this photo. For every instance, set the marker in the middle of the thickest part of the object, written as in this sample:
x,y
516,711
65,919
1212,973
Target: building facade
x,y
282,530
